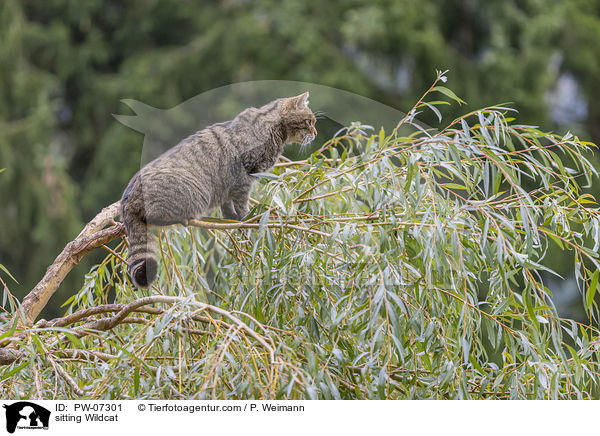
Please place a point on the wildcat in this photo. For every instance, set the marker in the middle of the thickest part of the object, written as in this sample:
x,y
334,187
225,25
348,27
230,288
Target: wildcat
x,y
209,169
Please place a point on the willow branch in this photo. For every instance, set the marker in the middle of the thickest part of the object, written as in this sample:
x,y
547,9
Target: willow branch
x,y
9,355
110,322
67,377
85,313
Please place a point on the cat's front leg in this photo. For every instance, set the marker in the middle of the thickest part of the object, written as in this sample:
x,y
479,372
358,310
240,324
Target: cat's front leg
x,y
240,200
228,211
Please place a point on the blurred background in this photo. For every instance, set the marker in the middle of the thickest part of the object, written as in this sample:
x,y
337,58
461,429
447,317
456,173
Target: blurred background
x,y
66,64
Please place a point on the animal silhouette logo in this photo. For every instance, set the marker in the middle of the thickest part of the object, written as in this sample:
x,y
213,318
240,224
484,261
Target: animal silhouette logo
x,y
24,414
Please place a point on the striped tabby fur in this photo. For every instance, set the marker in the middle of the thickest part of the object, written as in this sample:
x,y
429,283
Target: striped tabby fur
x,y
211,168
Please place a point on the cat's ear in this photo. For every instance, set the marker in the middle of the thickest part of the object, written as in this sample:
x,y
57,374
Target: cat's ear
x,y
302,100
298,102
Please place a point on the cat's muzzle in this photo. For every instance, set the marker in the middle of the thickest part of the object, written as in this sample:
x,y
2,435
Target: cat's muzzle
x,y
308,139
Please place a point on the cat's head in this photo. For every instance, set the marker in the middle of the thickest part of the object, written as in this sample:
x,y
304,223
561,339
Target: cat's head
x,y
298,120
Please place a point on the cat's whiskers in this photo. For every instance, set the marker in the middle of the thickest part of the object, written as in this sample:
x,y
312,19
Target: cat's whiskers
x,y
307,140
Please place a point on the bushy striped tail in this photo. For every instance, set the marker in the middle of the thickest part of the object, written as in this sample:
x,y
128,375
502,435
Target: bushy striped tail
x,y
143,246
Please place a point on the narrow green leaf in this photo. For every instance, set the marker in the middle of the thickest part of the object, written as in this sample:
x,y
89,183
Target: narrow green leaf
x,y
267,176
3,268
592,290
15,370
263,222
435,111
136,380
449,93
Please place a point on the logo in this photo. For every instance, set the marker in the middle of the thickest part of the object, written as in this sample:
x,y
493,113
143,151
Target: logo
x,y
26,415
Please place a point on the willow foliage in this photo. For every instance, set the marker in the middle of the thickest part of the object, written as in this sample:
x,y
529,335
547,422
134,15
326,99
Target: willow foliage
x,y
383,266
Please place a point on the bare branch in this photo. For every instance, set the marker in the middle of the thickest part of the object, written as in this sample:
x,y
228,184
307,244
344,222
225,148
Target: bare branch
x,y
81,314
65,375
93,235
9,355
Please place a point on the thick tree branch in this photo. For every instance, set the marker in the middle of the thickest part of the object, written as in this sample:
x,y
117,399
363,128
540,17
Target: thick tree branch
x,y
94,234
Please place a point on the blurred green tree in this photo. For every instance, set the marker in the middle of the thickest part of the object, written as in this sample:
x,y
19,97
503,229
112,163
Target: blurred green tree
x,y
39,211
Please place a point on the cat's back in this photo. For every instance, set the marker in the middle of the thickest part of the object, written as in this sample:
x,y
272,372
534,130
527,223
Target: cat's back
x,y
198,150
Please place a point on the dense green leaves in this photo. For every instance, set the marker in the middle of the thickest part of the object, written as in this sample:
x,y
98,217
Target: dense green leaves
x,y
383,266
